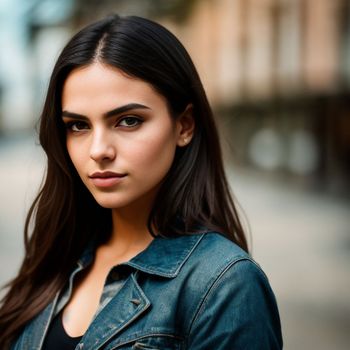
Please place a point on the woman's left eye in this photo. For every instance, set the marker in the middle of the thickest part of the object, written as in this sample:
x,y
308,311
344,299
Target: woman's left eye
x,y
129,122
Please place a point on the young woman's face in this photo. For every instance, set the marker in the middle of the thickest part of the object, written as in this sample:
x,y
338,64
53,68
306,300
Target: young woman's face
x,y
120,135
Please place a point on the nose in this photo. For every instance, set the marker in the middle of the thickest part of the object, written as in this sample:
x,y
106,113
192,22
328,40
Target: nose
x,y
102,147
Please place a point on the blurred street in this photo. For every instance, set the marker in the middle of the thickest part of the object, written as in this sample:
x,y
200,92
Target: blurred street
x,y
300,238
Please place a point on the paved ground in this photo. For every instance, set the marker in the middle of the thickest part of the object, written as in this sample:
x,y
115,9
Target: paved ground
x,y
301,239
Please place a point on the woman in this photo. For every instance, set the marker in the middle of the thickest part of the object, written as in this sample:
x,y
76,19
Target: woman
x,y
136,242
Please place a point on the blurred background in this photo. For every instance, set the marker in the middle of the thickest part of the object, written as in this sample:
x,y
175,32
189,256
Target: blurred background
x,y
277,73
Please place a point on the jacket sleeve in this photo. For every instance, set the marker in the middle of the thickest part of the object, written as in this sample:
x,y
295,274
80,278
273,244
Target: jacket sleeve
x,y
239,312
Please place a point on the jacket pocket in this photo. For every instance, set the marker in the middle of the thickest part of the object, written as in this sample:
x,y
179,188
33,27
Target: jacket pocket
x,y
139,345
150,342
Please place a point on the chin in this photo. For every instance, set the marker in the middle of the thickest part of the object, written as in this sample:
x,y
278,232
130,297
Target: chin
x,y
111,202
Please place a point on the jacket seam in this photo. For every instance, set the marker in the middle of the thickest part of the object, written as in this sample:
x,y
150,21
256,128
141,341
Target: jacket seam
x,y
213,286
159,334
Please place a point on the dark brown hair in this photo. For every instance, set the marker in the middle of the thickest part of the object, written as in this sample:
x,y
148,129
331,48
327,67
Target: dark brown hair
x,y
195,194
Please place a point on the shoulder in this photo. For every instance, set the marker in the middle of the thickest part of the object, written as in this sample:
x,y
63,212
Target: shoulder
x,y
235,292
200,261
216,254
213,243
225,265
218,264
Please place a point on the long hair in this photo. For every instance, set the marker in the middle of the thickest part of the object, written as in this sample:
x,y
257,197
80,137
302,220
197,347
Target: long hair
x,y
65,217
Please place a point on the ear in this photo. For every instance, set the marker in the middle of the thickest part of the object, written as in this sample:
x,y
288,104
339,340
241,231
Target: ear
x,y
185,126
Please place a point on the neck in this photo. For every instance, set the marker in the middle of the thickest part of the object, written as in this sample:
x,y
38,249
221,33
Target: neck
x,y
129,228
130,234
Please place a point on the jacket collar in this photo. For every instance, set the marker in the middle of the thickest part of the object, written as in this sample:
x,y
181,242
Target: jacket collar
x,y
163,257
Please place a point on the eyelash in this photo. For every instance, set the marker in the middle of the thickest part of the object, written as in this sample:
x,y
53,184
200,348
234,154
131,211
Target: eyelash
x,y
70,125
135,119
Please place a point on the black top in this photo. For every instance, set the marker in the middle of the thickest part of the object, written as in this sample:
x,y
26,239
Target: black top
x,y
57,338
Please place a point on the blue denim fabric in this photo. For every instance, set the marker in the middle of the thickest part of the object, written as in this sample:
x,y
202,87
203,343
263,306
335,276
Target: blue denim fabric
x,y
114,283
198,292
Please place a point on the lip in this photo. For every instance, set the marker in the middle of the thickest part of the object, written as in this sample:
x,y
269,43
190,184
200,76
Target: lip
x,y
106,178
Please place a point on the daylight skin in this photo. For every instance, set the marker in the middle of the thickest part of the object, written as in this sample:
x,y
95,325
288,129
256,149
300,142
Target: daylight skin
x,y
122,159
135,188
139,143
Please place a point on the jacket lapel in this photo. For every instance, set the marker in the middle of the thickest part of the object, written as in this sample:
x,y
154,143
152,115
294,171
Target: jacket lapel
x,y
128,305
164,257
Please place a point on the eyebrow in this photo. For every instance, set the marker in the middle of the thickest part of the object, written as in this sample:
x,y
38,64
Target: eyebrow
x,y
112,113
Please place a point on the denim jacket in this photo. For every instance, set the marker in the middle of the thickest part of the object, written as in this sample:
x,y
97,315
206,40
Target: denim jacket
x,y
198,292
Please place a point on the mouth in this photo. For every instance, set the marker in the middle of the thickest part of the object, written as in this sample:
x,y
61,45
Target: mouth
x,y
106,178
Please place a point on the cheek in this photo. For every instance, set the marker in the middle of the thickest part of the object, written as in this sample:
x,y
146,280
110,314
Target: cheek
x,y
154,156
76,154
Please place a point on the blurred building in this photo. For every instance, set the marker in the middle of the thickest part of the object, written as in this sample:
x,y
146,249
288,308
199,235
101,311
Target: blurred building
x,y
32,32
276,71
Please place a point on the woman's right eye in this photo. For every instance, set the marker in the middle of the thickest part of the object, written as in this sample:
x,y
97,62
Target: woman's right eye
x,y
76,126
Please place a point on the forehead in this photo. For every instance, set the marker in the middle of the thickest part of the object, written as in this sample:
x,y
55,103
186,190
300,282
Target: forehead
x,y
103,85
